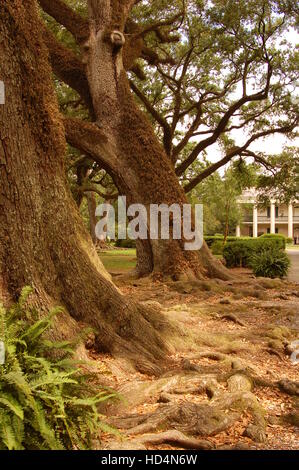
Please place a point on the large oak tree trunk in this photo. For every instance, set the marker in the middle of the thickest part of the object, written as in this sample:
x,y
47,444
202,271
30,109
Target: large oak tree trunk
x,y
143,172
43,242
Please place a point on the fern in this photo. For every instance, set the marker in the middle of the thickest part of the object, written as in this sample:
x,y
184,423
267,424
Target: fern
x,y
45,403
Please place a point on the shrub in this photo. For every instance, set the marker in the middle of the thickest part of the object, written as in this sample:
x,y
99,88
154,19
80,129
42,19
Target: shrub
x,y
275,236
128,243
239,252
271,262
46,403
217,247
213,238
210,240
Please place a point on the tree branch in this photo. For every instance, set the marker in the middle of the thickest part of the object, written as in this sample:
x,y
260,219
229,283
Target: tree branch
x,y
68,68
153,58
86,188
223,123
258,159
167,139
164,37
87,137
237,151
67,17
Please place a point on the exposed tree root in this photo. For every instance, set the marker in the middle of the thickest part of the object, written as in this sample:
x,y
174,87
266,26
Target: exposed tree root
x,y
202,419
225,359
176,438
219,383
274,352
287,386
191,418
292,418
233,318
239,382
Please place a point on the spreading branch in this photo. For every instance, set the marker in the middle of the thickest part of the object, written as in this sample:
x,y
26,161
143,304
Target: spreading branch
x,y
67,17
238,151
68,67
221,127
167,139
89,187
87,138
156,27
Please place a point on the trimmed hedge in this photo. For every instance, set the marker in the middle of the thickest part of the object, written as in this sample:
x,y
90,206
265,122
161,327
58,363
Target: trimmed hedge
x,y
210,239
277,236
217,247
240,252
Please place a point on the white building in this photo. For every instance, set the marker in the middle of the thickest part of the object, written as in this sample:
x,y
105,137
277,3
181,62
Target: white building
x,y
276,218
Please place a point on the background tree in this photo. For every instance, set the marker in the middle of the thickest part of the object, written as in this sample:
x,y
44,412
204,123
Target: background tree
x,y
281,180
219,195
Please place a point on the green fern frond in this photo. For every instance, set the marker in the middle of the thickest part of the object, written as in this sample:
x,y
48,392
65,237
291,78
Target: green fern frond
x,y
7,433
25,293
46,403
7,399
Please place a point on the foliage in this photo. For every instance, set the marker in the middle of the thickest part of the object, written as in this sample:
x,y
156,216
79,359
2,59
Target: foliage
x,y
210,240
281,180
217,247
239,253
128,243
218,75
232,77
46,403
271,262
277,236
219,196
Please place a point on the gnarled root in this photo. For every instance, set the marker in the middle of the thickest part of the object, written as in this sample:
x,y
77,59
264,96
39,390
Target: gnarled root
x,y
202,419
176,438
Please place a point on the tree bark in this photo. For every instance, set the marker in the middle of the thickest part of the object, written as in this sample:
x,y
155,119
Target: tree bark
x,y
92,205
143,171
43,242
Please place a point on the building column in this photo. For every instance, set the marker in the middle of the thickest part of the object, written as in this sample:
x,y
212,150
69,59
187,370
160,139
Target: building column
x,y
272,217
238,231
255,221
290,220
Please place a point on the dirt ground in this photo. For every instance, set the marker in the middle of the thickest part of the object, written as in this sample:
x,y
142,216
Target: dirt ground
x,y
229,382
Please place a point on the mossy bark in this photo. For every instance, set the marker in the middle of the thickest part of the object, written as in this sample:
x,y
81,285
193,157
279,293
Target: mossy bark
x,y
92,205
43,242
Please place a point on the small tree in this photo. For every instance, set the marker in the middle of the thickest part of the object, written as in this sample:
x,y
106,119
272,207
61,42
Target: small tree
x,y
220,194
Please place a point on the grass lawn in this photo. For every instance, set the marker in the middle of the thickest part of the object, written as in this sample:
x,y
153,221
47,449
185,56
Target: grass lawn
x,y
119,261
